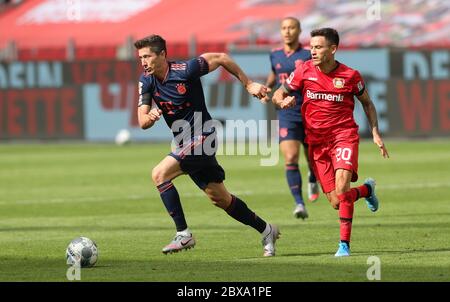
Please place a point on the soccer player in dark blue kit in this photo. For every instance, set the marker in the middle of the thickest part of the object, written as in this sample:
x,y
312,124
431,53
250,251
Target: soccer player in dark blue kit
x,y
291,132
174,90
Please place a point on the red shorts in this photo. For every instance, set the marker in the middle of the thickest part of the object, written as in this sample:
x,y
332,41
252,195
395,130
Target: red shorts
x,y
332,155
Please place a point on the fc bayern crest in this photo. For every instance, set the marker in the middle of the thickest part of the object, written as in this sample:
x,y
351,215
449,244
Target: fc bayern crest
x,y
338,82
181,88
283,132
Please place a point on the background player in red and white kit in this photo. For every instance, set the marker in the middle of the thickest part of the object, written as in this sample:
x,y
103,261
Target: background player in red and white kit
x,y
291,134
328,87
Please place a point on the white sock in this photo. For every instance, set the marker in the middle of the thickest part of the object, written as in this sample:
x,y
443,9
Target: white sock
x,y
267,230
185,232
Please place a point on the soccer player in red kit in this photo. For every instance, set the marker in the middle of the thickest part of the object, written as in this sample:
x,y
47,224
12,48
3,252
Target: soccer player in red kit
x,y
328,88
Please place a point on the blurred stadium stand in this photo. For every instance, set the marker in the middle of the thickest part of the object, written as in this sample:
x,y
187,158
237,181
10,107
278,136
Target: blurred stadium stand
x,y
79,29
68,68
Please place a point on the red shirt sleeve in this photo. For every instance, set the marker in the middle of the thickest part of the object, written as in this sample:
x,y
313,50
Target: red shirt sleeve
x,y
295,80
358,84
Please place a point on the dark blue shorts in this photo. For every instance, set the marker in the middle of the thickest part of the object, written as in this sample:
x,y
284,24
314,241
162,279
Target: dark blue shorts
x,y
291,130
202,168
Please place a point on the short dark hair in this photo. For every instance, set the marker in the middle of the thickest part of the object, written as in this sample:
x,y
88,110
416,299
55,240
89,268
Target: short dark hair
x,y
155,42
330,34
296,21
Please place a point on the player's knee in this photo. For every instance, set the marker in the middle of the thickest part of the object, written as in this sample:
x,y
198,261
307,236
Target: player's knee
x,y
340,189
342,186
291,158
158,175
334,202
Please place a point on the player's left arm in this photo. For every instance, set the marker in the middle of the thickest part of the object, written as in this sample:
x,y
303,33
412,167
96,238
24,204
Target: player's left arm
x,y
215,60
371,113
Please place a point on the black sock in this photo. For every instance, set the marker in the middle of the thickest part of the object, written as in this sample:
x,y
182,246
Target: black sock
x,y
345,241
369,189
312,177
294,180
171,200
239,211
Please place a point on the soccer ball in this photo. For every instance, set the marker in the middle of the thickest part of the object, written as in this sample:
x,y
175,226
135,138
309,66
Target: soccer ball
x,y
82,251
123,137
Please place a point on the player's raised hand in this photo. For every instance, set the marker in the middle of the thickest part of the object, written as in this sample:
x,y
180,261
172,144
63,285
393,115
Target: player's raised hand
x,y
287,102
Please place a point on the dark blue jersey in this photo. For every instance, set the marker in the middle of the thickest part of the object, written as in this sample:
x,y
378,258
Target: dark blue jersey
x,y
282,65
179,96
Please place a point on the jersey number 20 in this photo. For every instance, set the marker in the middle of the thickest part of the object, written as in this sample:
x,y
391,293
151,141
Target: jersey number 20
x,y
343,153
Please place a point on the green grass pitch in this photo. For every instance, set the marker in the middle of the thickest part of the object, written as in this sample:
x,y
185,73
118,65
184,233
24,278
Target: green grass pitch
x,y
52,193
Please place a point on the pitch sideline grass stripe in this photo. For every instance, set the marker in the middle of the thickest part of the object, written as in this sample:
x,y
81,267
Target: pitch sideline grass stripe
x,y
397,186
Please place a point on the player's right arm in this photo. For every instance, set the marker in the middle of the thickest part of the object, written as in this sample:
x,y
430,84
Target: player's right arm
x,y
147,116
281,97
147,113
271,79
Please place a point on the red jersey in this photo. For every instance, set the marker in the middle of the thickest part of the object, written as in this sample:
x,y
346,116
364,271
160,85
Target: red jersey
x,y
328,102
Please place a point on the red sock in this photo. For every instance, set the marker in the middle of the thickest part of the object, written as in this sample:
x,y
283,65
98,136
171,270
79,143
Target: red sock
x,y
356,193
346,216
363,191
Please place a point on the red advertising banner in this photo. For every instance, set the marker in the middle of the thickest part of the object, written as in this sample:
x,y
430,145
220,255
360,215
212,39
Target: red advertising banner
x,y
93,100
419,107
47,113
